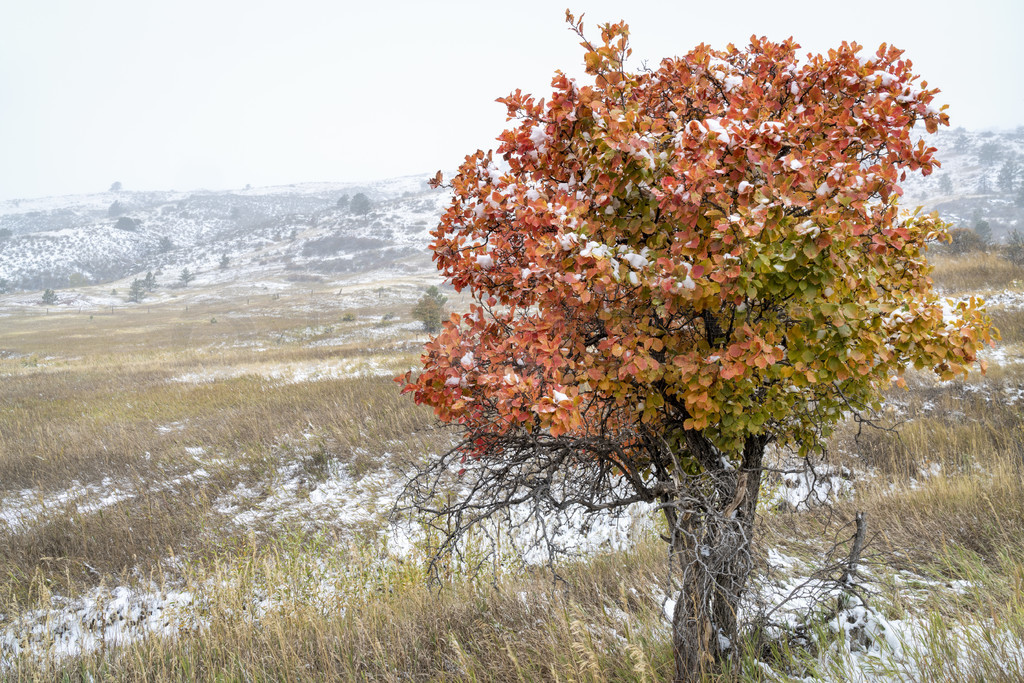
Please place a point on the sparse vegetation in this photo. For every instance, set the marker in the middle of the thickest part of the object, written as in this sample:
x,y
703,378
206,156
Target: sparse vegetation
x,y
49,297
137,401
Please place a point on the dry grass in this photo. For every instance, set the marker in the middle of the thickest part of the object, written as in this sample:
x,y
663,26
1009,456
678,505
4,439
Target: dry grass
x,y
88,399
386,624
95,403
977,272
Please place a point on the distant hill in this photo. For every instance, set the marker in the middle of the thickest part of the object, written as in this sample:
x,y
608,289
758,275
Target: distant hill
x,y
72,241
982,177
61,242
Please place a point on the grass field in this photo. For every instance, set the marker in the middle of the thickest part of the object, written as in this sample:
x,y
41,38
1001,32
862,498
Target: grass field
x,y
196,489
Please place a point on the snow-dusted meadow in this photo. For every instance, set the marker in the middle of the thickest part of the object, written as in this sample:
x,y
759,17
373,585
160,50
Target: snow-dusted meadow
x,y
200,485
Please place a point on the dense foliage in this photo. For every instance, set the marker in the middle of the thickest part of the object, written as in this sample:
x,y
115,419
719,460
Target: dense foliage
x,y
715,245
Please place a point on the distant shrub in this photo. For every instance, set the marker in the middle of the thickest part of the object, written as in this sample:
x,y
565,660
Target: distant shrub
x,y
429,310
126,223
49,297
115,209
965,241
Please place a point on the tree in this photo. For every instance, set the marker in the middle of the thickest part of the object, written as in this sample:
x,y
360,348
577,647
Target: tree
x,y
342,201
165,244
115,209
672,269
1007,177
115,186
964,241
360,204
945,184
224,261
49,297
186,277
137,291
982,229
1014,249
5,234
5,286
989,153
429,310
961,143
149,282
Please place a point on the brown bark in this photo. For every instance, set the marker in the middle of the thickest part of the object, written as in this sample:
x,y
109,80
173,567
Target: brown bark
x,y
711,546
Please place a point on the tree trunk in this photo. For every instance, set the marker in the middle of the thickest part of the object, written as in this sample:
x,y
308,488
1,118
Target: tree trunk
x,y
711,544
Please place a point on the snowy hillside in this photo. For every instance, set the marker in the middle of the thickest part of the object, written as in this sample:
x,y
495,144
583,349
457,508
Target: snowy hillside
x,y
73,241
982,177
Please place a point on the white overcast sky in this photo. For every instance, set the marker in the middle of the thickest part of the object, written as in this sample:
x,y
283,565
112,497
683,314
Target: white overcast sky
x,y
218,94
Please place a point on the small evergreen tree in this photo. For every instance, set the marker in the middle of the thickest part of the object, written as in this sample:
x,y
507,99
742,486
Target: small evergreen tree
x,y
186,277
983,184
343,201
150,281
1014,250
126,223
1007,177
945,184
360,205
429,310
115,186
983,230
115,209
5,286
137,291
49,297
989,153
961,143
166,244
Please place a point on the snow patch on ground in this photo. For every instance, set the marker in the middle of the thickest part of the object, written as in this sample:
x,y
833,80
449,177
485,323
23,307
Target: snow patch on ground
x,y
803,485
99,619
